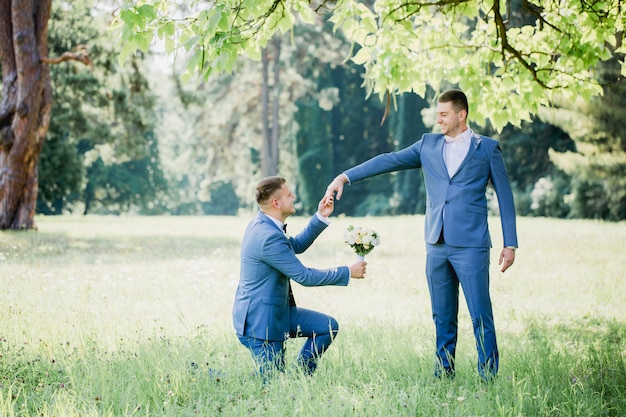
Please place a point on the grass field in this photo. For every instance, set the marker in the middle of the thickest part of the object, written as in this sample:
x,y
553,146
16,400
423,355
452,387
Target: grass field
x,y
131,316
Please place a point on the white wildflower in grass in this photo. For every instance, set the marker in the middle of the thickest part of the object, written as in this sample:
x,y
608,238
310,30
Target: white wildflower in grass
x,y
361,239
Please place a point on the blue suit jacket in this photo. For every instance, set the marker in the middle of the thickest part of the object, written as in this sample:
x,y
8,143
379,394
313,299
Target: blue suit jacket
x,y
268,262
463,196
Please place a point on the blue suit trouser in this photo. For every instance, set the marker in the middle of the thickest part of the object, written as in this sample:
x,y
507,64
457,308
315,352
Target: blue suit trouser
x,y
319,329
446,267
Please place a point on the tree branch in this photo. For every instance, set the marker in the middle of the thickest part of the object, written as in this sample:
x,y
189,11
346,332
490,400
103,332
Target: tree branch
x,y
79,55
506,46
535,11
418,6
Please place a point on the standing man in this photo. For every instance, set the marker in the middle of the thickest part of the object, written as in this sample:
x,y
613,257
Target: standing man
x,y
265,313
457,166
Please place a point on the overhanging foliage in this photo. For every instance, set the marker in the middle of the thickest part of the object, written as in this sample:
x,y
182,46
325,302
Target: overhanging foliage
x,y
512,58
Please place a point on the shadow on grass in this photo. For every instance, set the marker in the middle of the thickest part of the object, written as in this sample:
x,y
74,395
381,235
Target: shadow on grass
x,y
59,248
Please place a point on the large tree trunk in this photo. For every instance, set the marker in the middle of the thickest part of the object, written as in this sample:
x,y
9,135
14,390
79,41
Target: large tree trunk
x,y
24,107
271,130
275,135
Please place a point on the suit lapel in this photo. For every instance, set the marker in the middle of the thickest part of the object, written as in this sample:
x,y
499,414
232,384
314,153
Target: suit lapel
x,y
442,162
266,219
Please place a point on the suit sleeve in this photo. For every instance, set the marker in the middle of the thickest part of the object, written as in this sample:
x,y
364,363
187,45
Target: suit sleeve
x,y
406,158
307,236
502,186
278,254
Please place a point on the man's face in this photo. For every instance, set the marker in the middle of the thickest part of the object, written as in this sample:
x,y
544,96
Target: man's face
x,y
285,201
451,122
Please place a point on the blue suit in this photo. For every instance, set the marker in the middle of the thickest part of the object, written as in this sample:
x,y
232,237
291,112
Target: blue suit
x,y
264,312
457,235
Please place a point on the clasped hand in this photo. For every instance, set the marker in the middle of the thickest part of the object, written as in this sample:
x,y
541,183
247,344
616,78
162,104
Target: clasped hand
x,y
335,186
326,206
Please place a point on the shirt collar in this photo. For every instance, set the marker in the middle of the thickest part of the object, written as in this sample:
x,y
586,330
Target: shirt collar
x,y
276,222
463,137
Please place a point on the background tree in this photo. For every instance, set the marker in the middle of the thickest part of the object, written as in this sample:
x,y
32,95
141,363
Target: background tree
x,y
24,106
215,148
270,94
356,132
409,192
102,153
519,58
598,166
526,151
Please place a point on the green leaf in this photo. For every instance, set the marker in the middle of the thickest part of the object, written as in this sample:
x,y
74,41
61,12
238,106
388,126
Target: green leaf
x,y
306,15
170,45
129,17
499,118
286,22
470,9
143,39
252,51
147,12
369,24
166,30
191,42
193,63
213,19
126,50
363,56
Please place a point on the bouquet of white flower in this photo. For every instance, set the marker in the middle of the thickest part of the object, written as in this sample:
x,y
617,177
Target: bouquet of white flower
x,y
361,239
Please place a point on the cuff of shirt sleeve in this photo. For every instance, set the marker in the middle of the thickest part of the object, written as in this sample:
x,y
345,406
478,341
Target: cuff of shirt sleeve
x,y
322,218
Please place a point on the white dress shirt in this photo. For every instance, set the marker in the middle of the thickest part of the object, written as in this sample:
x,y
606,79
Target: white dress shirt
x,y
455,150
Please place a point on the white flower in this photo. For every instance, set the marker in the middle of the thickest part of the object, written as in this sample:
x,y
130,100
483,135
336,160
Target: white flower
x,y
361,239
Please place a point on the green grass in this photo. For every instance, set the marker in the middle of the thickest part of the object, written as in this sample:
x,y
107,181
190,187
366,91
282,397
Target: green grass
x,y
121,316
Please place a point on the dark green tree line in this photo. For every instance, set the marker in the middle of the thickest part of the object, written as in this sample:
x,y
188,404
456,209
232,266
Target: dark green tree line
x,y
597,169
103,154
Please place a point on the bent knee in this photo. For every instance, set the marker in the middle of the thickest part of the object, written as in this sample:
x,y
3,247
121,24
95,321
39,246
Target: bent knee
x,y
333,326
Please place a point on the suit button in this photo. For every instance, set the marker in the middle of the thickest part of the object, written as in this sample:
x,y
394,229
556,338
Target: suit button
x,y
450,182
447,202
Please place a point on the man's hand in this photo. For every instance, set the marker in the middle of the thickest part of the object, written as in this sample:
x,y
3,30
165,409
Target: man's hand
x,y
326,206
357,269
507,257
336,186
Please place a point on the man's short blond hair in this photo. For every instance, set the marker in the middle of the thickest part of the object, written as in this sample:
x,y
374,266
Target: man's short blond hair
x,y
266,188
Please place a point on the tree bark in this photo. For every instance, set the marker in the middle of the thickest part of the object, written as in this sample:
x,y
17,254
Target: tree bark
x,y
266,153
271,128
24,108
275,135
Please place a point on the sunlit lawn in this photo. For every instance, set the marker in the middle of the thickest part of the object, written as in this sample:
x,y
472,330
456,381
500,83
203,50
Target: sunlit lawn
x,y
131,315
